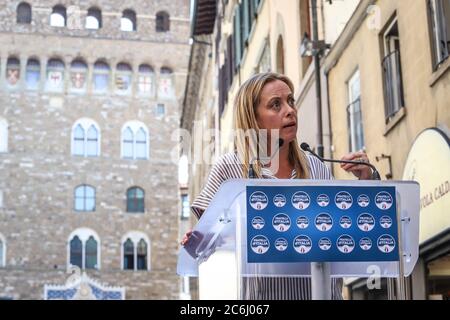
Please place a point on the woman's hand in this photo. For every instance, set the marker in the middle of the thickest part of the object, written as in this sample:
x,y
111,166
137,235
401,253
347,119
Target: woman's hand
x,y
186,237
362,172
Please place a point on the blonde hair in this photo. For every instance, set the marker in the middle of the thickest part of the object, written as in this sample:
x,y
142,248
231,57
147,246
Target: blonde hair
x,y
246,102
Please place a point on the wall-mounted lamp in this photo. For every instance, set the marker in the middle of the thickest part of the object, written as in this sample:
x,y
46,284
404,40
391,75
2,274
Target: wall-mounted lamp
x,y
308,49
192,40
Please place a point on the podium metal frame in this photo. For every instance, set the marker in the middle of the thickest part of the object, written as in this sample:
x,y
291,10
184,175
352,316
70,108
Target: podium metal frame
x,y
223,227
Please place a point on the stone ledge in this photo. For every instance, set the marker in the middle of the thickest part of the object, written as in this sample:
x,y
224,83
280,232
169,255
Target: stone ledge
x,y
395,120
440,72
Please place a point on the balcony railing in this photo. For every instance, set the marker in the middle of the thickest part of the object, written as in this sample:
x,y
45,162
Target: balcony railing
x,y
440,18
393,84
354,120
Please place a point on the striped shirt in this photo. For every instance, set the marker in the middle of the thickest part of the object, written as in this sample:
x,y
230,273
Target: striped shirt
x,y
264,288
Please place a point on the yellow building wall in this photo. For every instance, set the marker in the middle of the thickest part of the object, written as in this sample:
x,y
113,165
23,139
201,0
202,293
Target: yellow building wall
x,y
425,106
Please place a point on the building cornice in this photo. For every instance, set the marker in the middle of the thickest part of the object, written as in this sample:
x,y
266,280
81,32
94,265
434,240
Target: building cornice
x,y
195,73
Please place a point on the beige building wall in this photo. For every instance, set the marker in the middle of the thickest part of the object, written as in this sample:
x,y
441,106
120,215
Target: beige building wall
x,y
426,103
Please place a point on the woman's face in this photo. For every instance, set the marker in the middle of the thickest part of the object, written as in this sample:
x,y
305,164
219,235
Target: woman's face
x,y
276,110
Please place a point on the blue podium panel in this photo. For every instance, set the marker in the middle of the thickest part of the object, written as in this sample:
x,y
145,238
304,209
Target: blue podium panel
x,y
277,227
321,224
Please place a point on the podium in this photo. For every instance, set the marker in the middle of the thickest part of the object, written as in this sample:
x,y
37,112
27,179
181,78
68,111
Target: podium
x,y
277,228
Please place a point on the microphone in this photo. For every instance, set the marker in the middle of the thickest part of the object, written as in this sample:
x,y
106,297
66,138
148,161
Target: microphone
x,y
251,170
375,173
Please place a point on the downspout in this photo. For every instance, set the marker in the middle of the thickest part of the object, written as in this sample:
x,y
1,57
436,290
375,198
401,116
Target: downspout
x,y
329,120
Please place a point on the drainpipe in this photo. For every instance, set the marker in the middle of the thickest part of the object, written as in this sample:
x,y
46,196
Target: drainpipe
x,y
316,53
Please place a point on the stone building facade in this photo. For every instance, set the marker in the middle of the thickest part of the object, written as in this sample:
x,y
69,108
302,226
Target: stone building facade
x,y
89,99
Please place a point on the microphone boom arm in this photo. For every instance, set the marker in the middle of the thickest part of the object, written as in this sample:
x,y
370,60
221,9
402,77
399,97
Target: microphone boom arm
x,y
375,173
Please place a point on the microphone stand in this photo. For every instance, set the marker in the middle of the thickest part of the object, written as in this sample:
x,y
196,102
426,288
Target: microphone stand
x,y
320,271
375,173
251,169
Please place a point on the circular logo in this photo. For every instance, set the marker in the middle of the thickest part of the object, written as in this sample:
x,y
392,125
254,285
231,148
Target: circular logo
x,y
383,200
302,244
258,223
366,222
258,200
325,244
279,200
259,244
343,200
365,244
323,222
302,222
281,244
281,222
345,244
323,200
300,200
345,222
386,222
363,200
386,243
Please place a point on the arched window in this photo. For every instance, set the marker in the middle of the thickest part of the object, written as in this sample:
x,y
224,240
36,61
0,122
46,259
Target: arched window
x,y
3,135
78,76
160,109
83,249
23,13
128,21
13,71
127,143
135,200
2,251
76,252
135,251
162,21
94,18
91,253
92,141
141,144
128,255
33,74
86,138
58,16
280,56
101,76
145,80
135,141
141,255
55,75
123,78
166,71
165,86
84,198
